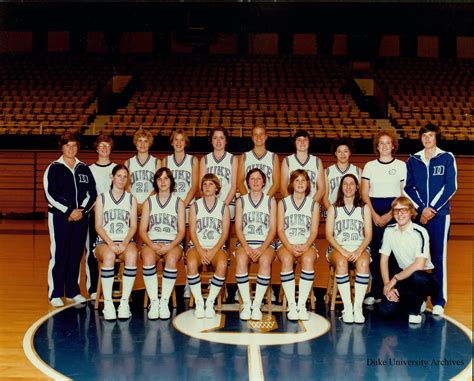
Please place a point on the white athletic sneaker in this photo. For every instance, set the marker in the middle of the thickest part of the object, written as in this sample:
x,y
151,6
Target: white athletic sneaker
x,y
438,310
109,311
154,310
348,315
414,319
423,307
256,314
210,312
164,309
77,299
303,313
187,291
124,310
359,316
93,295
273,297
293,312
56,302
245,311
199,312
369,301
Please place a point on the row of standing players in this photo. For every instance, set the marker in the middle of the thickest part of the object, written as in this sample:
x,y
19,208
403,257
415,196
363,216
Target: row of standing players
x,y
355,224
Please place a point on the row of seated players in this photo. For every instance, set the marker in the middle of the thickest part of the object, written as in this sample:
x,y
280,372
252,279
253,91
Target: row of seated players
x,y
382,182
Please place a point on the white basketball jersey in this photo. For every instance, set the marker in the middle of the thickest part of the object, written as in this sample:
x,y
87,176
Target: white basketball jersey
x,y
349,227
182,173
311,166
298,219
264,163
255,219
116,215
209,222
163,223
334,175
222,169
141,177
102,176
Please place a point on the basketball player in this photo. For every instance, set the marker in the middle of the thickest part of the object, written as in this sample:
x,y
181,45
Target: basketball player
x,y
116,223
298,220
209,222
142,168
259,157
349,231
342,149
224,165
406,288
70,192
255,226
302,159
102,172
162,229
431,182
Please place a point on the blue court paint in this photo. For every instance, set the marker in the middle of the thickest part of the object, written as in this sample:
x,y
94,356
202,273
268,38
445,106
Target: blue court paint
x,y
78,343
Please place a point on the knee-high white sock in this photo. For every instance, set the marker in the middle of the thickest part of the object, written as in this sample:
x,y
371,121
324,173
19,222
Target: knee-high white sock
x,y
129,275
169,279
306,284
216,285
151,282
262,284
344,287
107,280
243,285
288,284
195,287
361,283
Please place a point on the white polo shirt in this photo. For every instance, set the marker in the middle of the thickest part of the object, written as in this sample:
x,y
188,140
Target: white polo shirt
x,y
385,178
407,245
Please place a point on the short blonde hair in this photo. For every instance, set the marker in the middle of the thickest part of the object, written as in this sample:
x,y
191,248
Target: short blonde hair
x,y
404,201
180,131
211,177
391,134
141,133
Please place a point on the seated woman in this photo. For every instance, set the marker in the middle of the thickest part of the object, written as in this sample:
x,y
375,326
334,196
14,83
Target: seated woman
x,y
162,229
298,220
116,223
406,289
209,221
255,226
349,231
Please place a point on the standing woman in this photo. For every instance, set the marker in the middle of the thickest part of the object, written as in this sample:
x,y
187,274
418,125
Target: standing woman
x,y
431,182
349,231
310,163
383,180
224,165
298,220
102,172
255,226
162,229
342,149
209,223
116,223
70,192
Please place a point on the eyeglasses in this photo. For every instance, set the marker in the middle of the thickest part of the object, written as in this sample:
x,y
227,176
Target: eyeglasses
x,y
104,145
400,211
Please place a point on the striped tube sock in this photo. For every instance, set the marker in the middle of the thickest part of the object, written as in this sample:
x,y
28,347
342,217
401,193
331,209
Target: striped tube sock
x,y
151,282
344,288
216,285
243,285
129,275
169,279
194,282
306,283
361,284
107,280
263,282
288,283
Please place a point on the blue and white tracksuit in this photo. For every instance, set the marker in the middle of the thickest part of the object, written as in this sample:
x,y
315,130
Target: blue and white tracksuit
x,y
67,189
432,184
